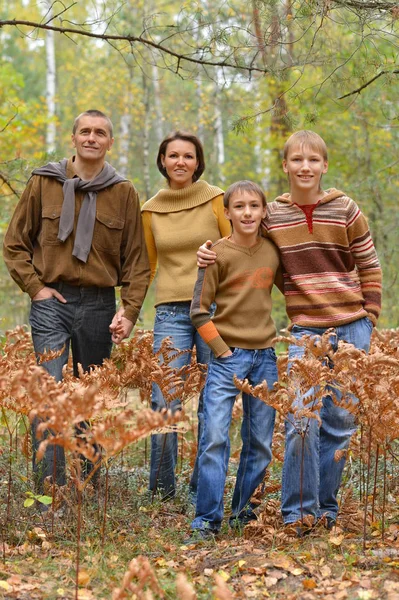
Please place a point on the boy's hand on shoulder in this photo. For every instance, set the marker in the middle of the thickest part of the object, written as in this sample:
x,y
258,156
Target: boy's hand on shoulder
x,y
205,256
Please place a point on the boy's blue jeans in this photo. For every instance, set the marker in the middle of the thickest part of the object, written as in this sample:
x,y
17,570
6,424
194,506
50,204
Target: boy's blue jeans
x,y
321,473
256,433
173,320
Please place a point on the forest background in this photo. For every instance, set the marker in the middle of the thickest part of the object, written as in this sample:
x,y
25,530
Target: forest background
x,y
241,75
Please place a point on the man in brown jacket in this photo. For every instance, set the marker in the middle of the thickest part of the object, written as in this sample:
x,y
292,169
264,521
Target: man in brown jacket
x,y
76,233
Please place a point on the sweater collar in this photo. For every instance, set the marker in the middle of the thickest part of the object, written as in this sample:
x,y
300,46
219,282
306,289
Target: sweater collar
x,y
168,200
330,194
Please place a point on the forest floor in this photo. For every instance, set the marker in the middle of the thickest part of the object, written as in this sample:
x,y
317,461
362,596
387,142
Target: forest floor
x,y
138,541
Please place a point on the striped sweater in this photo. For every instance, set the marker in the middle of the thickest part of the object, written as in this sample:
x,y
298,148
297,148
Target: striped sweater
x,y
332,275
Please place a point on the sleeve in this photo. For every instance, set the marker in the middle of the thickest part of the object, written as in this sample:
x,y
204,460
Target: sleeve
x,y
218,210
204,295
20,238
366,260
150,243
264,232
135,269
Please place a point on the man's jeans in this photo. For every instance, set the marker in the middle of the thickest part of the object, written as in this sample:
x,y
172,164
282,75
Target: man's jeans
x,y
321,474
83,323
173,320
256,433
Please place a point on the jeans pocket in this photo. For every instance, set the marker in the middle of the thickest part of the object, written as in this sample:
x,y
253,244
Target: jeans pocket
x,y
234,352
107,300
162,315
41,300
271,354
369,322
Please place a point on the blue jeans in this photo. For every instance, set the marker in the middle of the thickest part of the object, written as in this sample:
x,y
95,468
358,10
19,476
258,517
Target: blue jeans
x,y
321,474
83,323
256,434
173,320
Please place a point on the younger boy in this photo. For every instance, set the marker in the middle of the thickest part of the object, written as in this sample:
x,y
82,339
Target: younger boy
x,y
332,279
240,336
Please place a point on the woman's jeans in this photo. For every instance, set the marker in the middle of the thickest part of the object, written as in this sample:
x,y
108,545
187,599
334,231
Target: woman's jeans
x,y
82,323
173,320
321,474
256,433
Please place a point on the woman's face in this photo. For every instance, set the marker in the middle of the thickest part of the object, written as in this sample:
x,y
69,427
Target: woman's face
x,y
180,162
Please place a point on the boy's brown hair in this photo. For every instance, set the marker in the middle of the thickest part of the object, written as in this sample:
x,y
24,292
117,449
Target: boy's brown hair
x,y
243,186
305,137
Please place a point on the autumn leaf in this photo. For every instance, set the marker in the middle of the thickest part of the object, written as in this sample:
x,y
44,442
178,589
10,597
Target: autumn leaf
x,y
309,584
336,540
83,577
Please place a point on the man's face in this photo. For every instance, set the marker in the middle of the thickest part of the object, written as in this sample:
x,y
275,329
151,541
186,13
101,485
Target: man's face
x,y
92,138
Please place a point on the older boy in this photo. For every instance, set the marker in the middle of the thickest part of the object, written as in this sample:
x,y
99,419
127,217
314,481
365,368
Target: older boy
x,y
240,336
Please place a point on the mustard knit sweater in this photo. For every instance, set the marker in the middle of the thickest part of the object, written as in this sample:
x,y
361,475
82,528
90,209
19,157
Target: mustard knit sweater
x,y
176,223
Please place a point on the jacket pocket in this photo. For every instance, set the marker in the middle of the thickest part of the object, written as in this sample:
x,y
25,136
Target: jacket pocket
x,y
50,225
107,235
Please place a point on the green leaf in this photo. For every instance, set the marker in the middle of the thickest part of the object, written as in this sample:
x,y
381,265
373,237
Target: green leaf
x,y
44,499
29,502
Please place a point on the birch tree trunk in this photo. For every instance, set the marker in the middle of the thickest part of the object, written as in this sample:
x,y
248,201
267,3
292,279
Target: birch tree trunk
x,y
159,129
146,137
51,88
219,138
125,131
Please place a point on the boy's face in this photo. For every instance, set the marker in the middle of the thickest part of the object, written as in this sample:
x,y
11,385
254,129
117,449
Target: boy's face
x,y
304,167
245,212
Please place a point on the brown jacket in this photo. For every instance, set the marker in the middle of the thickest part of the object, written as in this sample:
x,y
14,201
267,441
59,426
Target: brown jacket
x,y
35,257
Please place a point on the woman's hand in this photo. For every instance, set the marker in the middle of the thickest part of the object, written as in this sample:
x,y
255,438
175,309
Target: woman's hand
x,y
205,256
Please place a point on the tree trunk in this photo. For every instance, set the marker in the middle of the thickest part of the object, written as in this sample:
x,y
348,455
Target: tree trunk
x,y
51,88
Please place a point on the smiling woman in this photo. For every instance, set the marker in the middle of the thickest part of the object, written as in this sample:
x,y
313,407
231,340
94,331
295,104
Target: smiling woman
x,y
176,220
180,163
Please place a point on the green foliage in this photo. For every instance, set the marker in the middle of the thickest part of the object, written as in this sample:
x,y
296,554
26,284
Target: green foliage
x,y
32,498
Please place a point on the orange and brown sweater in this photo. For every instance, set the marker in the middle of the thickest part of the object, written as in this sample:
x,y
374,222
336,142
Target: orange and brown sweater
x,y
240,282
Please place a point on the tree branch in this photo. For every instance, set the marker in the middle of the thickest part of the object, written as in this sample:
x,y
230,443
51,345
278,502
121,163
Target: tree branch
x,y
362,87
134,39
370,5
4,179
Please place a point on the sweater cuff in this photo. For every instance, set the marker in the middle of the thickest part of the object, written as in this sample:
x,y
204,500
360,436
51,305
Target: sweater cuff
x,y
372,318
131,314
218,346
34,288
